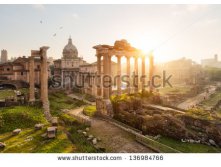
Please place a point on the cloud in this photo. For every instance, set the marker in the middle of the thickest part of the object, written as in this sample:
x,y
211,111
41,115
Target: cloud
x,y
39,6
75,16
196,8
187,9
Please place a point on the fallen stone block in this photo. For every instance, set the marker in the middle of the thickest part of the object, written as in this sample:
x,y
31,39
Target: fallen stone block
x,y
16,131
2,145
38,126
54,121
94,141
51,132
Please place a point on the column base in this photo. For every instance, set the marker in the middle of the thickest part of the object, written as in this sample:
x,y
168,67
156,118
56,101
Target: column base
x,y
31,102
104,107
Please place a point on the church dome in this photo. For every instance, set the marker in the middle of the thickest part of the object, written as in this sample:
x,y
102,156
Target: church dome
x,y
70,51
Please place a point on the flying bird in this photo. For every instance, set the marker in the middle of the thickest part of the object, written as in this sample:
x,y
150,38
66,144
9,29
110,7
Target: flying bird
x,y
41,22
54,35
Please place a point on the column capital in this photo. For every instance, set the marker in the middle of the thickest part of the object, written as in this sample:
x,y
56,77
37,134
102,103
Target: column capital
x,y
44,48
119,56
135,57
98,55
110,55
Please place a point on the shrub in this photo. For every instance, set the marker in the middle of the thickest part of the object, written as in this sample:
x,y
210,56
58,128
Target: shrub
x,y
199,113
90,110
68,120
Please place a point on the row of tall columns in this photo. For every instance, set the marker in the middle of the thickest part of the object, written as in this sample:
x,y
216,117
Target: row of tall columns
x,y
107,72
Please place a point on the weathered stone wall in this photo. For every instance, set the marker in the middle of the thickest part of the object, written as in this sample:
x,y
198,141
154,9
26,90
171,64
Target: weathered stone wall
x,y
171,123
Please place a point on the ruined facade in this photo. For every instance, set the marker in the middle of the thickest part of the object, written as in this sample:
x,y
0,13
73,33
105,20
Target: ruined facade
x,y
19,70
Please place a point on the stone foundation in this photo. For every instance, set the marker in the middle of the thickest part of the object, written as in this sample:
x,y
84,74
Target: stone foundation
x,y
104,107
155,120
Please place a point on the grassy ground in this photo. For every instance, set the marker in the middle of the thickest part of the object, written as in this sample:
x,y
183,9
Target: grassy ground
x,y
188,147
9,92
199,113
90,110
6,93
213,99
176,89
20,117
59,101
31,141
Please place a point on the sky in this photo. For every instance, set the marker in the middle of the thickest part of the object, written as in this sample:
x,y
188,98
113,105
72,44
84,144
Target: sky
x,y
170,31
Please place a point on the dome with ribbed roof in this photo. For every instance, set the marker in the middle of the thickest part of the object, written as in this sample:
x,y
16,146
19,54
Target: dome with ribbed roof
x,y
70,51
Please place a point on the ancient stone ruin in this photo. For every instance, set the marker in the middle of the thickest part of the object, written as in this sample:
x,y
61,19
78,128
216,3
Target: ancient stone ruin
x,y
120,49
42,54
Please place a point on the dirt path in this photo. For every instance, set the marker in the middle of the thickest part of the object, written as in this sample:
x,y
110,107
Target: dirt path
x,y
189,103
81,98
113,138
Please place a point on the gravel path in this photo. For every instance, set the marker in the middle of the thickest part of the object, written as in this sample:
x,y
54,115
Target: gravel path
x,y
113,138
189,103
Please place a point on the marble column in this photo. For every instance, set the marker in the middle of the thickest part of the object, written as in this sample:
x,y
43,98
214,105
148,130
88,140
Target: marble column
x,y
118,74
62,79
110,74
98,75
128,74
135,74
105,77
31,79
44,74
44,82
151,70
143,73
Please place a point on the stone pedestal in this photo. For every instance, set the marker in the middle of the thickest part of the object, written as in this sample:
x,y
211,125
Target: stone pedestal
x,y
104,107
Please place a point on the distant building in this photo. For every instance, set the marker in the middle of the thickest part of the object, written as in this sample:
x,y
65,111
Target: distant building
x,y
182,70
74,71
50,60
4,56
213,62
19,70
